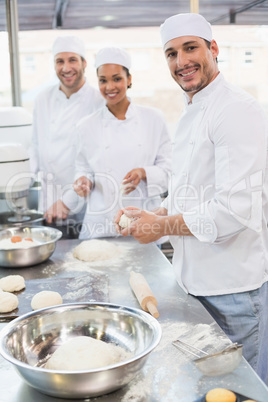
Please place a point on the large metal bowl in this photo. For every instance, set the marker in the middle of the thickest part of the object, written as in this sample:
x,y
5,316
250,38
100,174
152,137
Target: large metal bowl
x,y
28,341
24,257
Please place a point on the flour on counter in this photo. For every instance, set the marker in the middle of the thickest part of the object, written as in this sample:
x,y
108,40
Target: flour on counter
x,y
161,380
202,336
138,391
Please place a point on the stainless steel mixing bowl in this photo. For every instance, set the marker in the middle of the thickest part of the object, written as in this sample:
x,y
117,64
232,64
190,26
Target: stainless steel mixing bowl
x,y
28,341
24,257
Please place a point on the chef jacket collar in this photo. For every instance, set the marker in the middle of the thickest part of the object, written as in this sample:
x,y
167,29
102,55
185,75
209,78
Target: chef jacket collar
x,y
130,114
78,94
205,92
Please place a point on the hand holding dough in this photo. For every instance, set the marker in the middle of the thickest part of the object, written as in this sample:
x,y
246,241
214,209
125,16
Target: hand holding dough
x,y
125,221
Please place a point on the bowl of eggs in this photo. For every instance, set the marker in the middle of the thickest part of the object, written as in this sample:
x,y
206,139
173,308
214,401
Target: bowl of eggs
x,y
80,350
27,246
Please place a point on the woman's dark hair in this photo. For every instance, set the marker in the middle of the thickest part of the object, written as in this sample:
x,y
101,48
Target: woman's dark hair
x,y
126,70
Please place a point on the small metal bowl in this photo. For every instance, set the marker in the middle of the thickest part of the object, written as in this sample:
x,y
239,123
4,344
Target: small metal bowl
x,y
222,362
24,257
28,341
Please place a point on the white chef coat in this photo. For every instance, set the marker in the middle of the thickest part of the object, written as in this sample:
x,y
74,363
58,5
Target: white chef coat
x,y
219,183
52,153
108,148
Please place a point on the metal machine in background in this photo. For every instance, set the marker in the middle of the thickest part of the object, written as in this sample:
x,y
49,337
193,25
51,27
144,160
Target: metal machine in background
x,y
16,178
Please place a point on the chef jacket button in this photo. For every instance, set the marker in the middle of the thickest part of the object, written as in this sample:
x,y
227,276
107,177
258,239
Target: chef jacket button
x,y
181,206
191,142
202,107
184,174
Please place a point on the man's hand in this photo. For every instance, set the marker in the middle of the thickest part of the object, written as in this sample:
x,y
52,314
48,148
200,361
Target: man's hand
x,y
147,227
57,211
161,211
132,180
82,186
118,216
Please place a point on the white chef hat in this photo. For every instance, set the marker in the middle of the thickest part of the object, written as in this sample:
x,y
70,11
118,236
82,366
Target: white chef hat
x,y
70,44
113,55
189,24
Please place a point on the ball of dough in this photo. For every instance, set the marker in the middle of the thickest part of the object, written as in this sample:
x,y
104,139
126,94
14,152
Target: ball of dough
x,y
8,302
220,395
124,187
96,250
125,221
46,298
12,283
83,353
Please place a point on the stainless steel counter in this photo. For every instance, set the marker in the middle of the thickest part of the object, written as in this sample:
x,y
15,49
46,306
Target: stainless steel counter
x,y
169,375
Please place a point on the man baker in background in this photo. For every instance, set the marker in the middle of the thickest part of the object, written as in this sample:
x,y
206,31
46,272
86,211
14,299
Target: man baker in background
x,y
57,110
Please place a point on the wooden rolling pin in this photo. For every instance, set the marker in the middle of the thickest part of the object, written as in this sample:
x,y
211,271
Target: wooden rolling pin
x,y
143,293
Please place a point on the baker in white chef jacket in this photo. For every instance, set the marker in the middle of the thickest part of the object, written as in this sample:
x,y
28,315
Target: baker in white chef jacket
x,y
57,110
217,208
123,151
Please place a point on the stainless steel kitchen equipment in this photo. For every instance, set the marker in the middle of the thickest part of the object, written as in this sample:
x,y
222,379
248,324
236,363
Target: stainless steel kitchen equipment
x,y
46,238
28,341
214,364
15,173
167,375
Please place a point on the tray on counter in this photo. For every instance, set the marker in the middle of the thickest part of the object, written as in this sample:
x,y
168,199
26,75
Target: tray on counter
x,y
88,287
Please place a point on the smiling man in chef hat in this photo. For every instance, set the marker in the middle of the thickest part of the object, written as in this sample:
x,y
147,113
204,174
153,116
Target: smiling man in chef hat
x,y
70,62
217,207
191,69
57,110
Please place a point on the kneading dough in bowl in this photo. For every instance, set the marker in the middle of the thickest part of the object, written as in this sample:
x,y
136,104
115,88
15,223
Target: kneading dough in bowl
x,y
12,283
8,302
125,221
220,395
85,353
96,250
46,298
